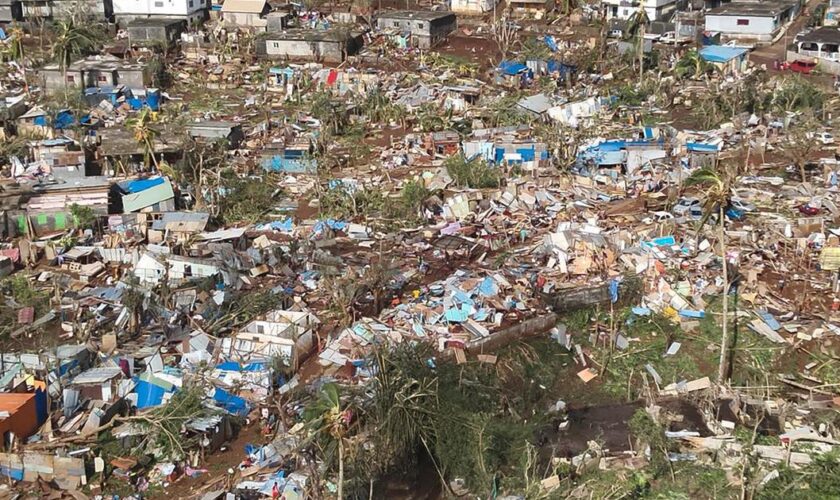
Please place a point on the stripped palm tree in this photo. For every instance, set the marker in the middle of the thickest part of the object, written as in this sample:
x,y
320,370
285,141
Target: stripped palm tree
x,y
636,27
717,184
145,135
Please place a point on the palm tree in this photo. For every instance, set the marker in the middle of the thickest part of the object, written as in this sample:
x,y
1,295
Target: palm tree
x,y
636,26
718,186
71,41
329,424
145,135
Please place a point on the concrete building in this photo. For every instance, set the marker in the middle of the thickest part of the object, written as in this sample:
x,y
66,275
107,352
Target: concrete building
x,y
759,21
10,10
822,43
331,46
421,28
657,10
192,11
472,7
726,59
96,71
32,10
821,46
212,131
246,13
166,31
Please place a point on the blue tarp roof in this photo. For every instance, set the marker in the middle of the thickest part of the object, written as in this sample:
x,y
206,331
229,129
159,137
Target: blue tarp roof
x,y
701,146
143,184
512,67
232,404
720,54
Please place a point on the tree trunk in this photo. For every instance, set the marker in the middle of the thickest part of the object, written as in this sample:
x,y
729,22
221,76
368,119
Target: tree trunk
x,y
801,165
723,370
340,469
641,52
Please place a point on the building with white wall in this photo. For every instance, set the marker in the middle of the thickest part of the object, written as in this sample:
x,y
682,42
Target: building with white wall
x,y
192,11
657,10
760,21
473,6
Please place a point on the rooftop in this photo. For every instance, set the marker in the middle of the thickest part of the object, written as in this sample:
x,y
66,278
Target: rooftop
x,y
770,8
249,6
826,34
309,35
720,54
97,62
425,15
153,22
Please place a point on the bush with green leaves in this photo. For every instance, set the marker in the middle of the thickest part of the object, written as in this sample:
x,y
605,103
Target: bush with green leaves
x,y
474,174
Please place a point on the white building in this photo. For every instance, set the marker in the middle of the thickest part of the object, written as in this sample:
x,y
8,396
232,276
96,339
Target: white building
x,y
288,334
193,11
472,6
747,20
657,10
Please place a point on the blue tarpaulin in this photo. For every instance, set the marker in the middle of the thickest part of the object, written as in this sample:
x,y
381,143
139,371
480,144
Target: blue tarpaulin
x,y
333,224
614,291
63,120
231,404
512,67
552,44
293,165
143,184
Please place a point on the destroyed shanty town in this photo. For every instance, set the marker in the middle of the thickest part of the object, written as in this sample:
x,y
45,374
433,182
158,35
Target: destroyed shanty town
x,y
471,249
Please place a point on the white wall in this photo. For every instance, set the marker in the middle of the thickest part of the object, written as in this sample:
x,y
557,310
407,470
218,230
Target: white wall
x,y
471,6
729,24
174,8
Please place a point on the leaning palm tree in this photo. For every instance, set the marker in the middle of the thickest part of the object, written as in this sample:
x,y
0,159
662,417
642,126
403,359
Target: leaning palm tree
x,y
636,26
718,186
145,135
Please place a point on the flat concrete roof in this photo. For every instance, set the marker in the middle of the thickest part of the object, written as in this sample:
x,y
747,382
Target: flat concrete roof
x,y
424,15
310,35
752,9
153,22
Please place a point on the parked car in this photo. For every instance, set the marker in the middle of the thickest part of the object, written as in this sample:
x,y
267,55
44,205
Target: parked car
x,y
659,217
684,206
825,138
669,37
807,209
804,67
